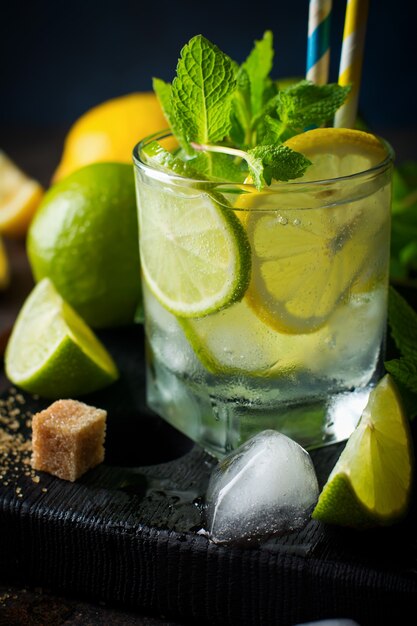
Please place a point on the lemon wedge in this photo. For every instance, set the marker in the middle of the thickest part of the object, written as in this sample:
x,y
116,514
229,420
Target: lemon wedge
x,y
312,246
19,198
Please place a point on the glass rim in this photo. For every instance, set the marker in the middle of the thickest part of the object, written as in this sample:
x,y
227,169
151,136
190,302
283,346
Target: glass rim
x,y
294,184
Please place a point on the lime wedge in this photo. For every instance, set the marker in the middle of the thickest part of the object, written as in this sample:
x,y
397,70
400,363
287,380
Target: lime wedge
x,y
194,251
4,267
370,484
52,352
307,256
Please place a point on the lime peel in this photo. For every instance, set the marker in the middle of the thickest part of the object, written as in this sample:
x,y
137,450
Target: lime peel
x,y
371,482
194,251
52,352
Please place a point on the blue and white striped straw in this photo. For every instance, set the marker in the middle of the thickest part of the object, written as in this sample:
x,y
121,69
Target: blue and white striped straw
x,y
318,44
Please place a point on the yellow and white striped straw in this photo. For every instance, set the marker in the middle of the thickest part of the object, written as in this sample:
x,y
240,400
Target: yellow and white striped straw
x,y
351,60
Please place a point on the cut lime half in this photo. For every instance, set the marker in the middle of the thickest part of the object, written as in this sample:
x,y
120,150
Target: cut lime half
x,y
370,484
52,352
194,251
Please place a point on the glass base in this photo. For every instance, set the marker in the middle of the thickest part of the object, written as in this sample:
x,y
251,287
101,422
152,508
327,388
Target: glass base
x,y
220,426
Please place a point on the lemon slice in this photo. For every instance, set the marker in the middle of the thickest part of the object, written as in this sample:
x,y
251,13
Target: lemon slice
x,y
337,152
52,352
308,248
19,198
194,252
4,267
370,484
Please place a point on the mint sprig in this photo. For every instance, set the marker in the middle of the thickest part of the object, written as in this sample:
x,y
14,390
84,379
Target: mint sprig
x,y
402,320
213,102
265,162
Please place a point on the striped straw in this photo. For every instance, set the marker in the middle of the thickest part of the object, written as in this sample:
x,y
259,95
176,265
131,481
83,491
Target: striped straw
x,y
351,60
318,43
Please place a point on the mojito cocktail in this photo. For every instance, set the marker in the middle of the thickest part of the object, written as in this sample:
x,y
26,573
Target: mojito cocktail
x,y
305,267
264,251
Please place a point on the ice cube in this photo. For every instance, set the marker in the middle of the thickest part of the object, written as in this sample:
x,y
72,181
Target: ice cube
x,y
267,486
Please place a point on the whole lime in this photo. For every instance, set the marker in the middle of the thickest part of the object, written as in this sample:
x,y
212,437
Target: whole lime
x,y
84,237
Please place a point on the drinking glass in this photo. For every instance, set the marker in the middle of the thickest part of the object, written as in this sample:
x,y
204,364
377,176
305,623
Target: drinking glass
x,y
301,348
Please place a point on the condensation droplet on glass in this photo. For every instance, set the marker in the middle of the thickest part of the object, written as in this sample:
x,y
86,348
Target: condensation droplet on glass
x,y
282,220
296,221
330,342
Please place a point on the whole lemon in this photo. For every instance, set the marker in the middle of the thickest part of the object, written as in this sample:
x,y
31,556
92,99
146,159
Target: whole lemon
x,y
109,131
84,238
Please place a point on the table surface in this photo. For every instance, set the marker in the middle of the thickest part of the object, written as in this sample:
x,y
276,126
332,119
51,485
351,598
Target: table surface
x,y
38,151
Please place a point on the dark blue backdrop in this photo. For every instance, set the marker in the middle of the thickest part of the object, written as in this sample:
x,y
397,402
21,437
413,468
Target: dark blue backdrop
x,y
59,58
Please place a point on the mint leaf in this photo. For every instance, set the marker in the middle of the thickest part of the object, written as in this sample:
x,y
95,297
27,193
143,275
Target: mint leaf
x,y
404,373
241,110
201,97
163,93
258,66
403,264
222,167
272,130
163,160
403,323
404,370
404,188
275,162
306,104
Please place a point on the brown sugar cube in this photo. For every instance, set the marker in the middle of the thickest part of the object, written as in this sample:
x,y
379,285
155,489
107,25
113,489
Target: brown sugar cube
x,y
68,439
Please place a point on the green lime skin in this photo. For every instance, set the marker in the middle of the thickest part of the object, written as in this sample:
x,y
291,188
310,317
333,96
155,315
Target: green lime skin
x,y
68,373
84,237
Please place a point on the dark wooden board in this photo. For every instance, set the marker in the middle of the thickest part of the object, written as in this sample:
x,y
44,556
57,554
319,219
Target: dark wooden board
x,y
126,532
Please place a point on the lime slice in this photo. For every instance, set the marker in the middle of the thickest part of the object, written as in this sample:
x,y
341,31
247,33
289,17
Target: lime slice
x,y
306,255
236,341
370,484
52,352
4,267
194,251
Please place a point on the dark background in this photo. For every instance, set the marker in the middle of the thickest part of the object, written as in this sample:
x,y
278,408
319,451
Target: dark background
x,y
60,58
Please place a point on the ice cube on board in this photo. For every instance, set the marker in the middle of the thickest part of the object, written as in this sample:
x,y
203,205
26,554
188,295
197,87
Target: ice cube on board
x,y
267,486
